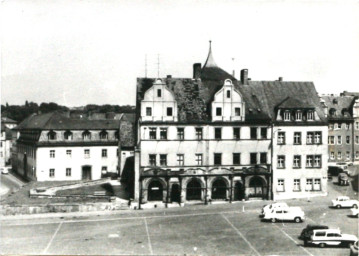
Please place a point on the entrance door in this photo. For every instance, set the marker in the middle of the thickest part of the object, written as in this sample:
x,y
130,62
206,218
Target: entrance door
x,y
155,191
256,187
219,189
238,191
194,190
175,193
86,172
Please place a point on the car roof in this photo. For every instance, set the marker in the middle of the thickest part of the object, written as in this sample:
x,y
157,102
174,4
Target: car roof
x,y
343,197
327,230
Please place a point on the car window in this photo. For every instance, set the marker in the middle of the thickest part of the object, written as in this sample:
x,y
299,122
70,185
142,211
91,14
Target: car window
x,y
285,211
333,235
320,234
278,211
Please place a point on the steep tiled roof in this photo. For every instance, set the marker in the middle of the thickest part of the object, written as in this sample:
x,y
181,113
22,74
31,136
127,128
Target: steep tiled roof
x,y
58,121
7,131
341,105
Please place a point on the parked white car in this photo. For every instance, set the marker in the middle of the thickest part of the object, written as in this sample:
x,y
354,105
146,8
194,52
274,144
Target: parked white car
x,y
291,213
5,170
324,237
344,201
270,207
355,212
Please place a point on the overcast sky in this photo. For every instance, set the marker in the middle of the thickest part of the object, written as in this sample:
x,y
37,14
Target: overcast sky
x,y
90,52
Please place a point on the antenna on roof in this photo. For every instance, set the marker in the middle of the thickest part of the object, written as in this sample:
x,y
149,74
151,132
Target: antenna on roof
x,y
233,73
158,65
145,65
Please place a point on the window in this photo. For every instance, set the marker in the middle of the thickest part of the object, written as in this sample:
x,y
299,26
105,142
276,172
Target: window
x,y
339,126
297,161
310,115
104,153
68,135
347,126
339,140
169,112
263,158
217,133
153,132
286,116
152,159
310,137
297,138
317,186
163,133
87,153
163,160
236,158
281,138
159,93
52,173
86,135
281,162
317,161
217,158
68,172
148,111
180,160
199,133
339,155
180,133
199,159
237,111
280,185
331,127
263,133
332,156
348,140
310,160
228,93
51,135
68,153
356,139
104,169
298,116
309,185
317,137
253,158
348,155
356,125
357,155
296,185
331,140
103,135
236,133
253,133
52,153
314,161
218,111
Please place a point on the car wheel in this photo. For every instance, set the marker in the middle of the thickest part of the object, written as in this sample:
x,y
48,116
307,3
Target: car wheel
x,y
273,220
305,242
297,219
350,244
322,245
339,206
355,206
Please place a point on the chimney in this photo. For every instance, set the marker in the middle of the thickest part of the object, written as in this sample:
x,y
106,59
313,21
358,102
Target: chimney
x,y
169,76
244,76
197,70
280,79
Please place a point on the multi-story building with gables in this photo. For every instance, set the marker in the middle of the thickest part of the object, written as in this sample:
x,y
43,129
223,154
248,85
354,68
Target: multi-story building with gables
x,y
53,146
210,138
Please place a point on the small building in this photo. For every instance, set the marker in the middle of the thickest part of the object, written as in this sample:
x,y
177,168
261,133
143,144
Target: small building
x,y
5,151
53,146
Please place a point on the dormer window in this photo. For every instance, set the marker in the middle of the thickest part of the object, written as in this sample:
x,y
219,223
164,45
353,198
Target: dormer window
x,y
228,93
68,135
332,111
51,135
286,115
298,115
310,115
86,135
103,135
218,111
159,93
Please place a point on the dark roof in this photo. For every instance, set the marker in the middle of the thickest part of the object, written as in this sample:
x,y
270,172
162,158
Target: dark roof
x,y
7,120
7,131
342,104
292,103
58,121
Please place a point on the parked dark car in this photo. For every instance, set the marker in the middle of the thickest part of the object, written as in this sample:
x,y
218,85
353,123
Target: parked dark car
x,y
307,232
343,179
335,170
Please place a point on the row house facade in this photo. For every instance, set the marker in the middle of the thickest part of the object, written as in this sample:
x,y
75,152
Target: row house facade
x,y
6,140
212,137
343,125
55,147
